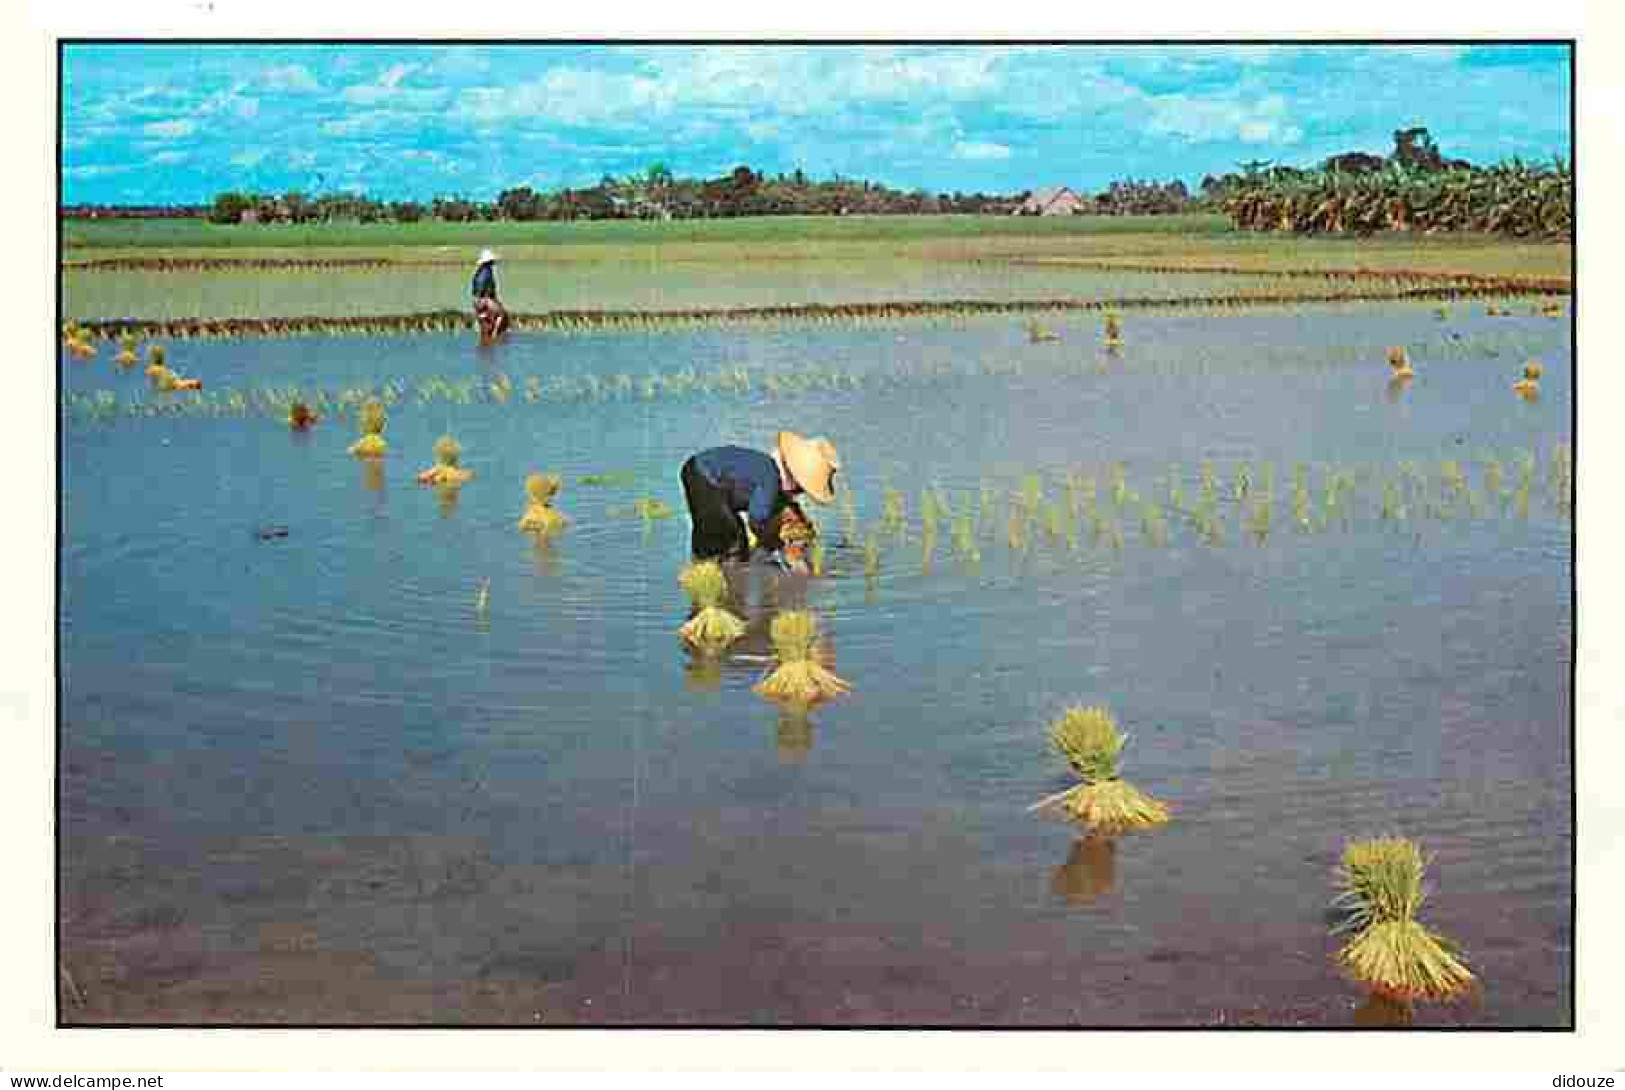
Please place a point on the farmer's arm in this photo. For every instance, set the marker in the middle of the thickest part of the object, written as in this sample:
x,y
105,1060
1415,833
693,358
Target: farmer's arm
x,y
762,502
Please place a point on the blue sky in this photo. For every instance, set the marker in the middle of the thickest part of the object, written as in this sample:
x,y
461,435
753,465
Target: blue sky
x,y
180,123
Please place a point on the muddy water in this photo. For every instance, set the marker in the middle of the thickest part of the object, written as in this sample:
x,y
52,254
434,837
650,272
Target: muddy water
x,y
305,780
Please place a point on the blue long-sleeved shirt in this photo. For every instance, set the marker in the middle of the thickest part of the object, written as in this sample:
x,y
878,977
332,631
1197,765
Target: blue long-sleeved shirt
x,y
748,479
485,281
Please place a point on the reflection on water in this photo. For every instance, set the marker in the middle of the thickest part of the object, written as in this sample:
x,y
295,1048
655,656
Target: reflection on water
x,y
1383,1012
448,495
544,556
795,734
1090,870
702,672
372,474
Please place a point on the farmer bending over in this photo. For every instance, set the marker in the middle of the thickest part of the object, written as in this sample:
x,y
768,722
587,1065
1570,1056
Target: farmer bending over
x,y
492,318
736,495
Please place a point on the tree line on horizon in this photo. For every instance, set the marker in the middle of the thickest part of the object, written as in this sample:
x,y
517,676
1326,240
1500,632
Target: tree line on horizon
x,y
1355,191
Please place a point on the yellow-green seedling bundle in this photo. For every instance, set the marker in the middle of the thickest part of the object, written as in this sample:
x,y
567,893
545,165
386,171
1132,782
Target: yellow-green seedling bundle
x,y
1399,362
371,444
126,350
1528,387
1090,741
540,515
800,677
447,470
712,627
1114,331
1038,334
1380,884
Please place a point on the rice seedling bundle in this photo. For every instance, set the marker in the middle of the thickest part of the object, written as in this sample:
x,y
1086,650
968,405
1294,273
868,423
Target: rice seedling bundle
x,y
800,678
1210,484
1533,370
1089,740
1038,334
540,515
371,444
1381,893
447,471
1527,388
126,355
1113,331
712,627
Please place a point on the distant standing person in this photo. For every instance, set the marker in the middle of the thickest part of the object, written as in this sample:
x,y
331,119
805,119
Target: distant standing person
x,y
487,308
731,488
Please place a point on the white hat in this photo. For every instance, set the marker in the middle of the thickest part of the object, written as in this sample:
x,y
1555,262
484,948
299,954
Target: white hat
x,y
487,256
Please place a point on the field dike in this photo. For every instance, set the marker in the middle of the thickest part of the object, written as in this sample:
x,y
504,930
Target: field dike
x,y
444,321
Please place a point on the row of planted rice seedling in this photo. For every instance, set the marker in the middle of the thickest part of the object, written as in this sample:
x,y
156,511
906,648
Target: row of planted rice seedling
x,y
445,321
1249,502
732,381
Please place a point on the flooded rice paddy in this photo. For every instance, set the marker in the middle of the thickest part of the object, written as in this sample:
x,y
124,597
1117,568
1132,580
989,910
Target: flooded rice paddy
x,y
305,779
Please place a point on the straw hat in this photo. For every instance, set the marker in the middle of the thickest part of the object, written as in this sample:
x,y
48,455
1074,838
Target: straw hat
x,y
486,256
812,462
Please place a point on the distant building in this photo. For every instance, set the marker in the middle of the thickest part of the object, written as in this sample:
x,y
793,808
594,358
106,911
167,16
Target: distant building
x,y
1052,202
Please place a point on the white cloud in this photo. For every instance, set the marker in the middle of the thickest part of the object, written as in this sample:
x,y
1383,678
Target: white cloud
x,y
1207,119
573,96
164,158
249,158
170,130
98,171
980,150
230,101
387,88
293,78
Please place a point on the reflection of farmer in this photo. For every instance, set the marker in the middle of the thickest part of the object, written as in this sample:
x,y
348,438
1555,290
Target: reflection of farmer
x,y
735,494
492,318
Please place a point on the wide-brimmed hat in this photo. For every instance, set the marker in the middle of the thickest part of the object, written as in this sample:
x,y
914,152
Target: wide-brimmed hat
x,y
812,462
487,256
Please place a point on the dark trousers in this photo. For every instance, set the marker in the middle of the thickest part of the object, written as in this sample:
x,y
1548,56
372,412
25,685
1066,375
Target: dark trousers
x,y
718,533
